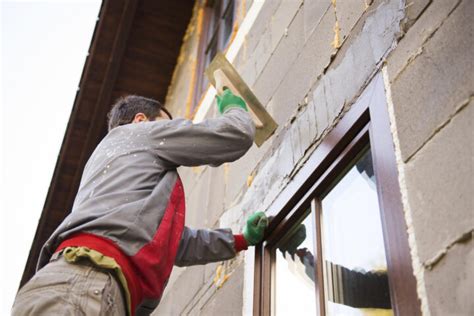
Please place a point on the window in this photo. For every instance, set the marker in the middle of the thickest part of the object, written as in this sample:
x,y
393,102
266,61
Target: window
x,y
337,243
217,27
354,261
295,273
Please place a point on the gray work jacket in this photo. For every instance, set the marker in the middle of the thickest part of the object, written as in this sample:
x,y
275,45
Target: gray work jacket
x,y
127,182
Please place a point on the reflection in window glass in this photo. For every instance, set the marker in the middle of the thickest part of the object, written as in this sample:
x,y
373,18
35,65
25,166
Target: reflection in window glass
x,y
228,21
294,277
219,30
355,268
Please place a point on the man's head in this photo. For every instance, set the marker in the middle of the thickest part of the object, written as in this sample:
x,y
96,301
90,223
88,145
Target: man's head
x,y
134,109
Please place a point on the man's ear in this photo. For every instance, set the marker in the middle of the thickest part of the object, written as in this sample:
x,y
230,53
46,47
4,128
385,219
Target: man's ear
x,y
139,117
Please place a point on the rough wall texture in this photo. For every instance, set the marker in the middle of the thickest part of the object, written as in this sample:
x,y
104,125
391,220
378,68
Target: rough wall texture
x,y
307,62
431,77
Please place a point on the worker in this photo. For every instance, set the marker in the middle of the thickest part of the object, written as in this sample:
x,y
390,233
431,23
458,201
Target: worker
x,y
113,254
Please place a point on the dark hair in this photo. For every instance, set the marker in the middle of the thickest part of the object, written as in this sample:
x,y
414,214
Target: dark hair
x,y
125,108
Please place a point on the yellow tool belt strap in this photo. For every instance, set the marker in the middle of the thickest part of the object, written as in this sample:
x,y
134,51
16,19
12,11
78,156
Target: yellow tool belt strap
x,y
74,254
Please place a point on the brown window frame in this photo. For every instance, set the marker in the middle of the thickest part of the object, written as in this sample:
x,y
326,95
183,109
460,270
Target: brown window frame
x,y
365,124
201,82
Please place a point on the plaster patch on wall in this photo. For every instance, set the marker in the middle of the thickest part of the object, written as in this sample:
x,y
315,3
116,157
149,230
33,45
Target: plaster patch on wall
x,y
463,104
197,170
412,58
250,179
226,172
418,268
218,274
221,276
191,90
463,238
430,35
336,43
212,284
367,3
224,271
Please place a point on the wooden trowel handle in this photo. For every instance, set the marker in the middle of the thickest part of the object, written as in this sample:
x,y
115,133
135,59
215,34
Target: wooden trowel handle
x,y
222,82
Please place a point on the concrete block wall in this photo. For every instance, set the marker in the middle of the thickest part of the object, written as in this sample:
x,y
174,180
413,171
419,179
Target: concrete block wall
x,y
431,78
307,62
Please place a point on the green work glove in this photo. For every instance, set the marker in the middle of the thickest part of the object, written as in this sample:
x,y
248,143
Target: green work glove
x,y
255,228
229,100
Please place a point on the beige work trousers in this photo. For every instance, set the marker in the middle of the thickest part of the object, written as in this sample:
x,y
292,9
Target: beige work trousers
x,y
62,288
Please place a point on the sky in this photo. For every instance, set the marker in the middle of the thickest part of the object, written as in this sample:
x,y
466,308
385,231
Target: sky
x,y
43,47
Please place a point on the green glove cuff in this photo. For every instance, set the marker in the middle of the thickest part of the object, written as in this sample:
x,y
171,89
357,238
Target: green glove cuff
x,y
229,100
255,228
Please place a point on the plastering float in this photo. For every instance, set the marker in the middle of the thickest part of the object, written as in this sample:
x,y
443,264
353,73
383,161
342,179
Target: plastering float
x,y
223,75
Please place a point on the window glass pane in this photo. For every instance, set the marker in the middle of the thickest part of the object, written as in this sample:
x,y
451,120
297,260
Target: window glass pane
x,y
294,272
214,18
228,22
355,267
211,53
209,56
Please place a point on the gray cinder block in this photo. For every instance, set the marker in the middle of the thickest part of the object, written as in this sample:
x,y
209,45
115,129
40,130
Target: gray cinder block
x,y
439,181
431,87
